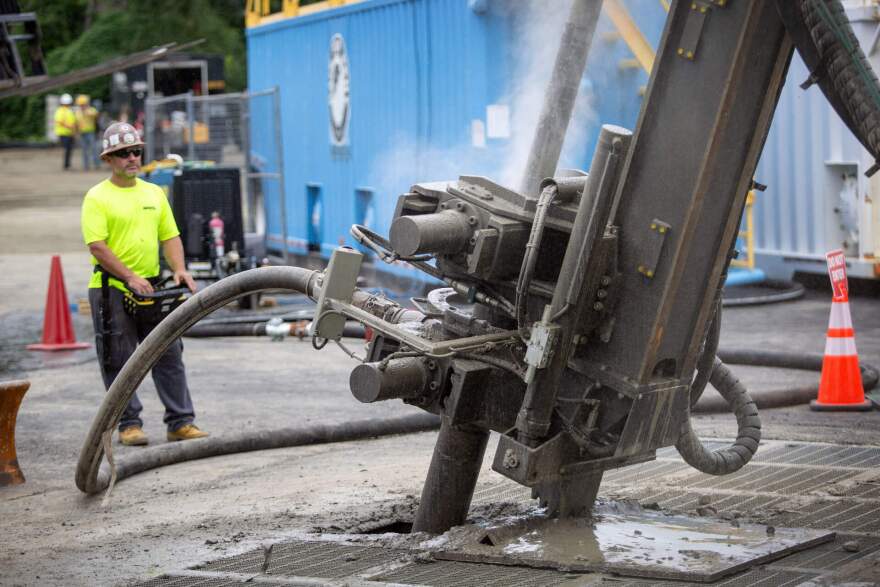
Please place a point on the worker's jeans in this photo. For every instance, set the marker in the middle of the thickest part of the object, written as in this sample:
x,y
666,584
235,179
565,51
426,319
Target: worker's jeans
x,y
168,373
67,144
89,153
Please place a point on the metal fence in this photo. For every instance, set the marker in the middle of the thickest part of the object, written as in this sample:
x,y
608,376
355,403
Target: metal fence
x,y
220,129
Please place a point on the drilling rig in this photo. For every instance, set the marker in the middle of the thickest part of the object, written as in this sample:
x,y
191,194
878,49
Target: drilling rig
x,y
580,316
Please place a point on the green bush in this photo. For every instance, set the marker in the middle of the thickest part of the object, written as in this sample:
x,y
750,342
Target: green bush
x,y
134,25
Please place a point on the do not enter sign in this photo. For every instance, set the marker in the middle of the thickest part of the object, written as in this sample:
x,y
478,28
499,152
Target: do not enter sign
x,y
837,273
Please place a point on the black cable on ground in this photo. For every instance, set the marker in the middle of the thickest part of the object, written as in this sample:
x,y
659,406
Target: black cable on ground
x,y
780,291
788,396
179,452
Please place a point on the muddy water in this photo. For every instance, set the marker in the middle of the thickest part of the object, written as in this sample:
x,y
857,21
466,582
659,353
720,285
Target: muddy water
x,y
640,543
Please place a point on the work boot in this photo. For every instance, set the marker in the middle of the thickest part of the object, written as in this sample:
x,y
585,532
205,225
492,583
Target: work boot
x,y
186,432
133,436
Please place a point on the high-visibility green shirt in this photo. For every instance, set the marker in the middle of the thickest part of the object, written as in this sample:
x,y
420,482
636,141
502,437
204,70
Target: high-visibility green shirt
x,y
65,116
131,221
86,119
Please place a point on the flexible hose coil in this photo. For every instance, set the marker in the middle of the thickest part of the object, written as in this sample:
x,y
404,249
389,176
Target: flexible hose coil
x,y
724,461
90,476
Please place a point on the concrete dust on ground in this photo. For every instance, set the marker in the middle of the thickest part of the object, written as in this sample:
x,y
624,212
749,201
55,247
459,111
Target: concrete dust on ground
x,y
175,517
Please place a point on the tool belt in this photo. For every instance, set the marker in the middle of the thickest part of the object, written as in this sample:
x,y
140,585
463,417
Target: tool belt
x,y
147,310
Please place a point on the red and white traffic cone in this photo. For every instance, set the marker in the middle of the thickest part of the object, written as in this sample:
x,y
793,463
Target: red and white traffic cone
x,y
58,332
840,388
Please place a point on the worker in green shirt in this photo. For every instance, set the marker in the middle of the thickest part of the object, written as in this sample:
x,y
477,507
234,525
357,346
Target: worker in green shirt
x,y
65,126
124,221
87,124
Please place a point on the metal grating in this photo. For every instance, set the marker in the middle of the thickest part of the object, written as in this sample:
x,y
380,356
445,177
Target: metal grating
x,y
764,490
310,559
830,555
771,479
172,581
501,493
801,454
843,515
811,454
758,578
645,471
679,501
457,574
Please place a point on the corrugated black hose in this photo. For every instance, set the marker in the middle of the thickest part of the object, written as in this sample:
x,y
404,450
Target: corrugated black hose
x,y
826,42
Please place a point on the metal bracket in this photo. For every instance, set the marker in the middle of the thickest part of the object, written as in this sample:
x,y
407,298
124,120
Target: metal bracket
x,y
558,458
653,247
340,280
693,28
542,343
417,343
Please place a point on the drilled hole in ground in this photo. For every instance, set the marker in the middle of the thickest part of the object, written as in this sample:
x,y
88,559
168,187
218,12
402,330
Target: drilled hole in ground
x,y
396,527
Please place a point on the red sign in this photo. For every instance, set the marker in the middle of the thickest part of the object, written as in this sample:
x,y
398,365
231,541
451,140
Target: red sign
x,y
837,273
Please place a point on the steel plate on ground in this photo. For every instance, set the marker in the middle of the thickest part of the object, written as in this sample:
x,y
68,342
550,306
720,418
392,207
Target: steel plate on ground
x,y
629,543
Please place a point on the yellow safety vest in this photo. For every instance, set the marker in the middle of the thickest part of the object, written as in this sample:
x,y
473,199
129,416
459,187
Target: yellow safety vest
x,y
65,122
85,119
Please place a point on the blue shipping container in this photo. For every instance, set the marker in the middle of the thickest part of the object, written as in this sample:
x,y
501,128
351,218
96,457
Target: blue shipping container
x,y
381,94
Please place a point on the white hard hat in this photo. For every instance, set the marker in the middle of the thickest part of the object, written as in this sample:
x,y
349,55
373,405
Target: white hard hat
x,y
66,99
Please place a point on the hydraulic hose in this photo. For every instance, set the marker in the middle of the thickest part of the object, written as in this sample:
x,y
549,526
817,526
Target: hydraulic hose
x,y
90,477
825,40
202,330
530,258
706,362
854,82
724,461
179,452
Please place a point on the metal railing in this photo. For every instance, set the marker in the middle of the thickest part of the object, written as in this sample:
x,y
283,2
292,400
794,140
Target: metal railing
x,y
258,12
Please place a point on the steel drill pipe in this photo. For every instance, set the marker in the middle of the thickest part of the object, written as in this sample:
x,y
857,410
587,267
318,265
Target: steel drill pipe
x,y
452,476
559,99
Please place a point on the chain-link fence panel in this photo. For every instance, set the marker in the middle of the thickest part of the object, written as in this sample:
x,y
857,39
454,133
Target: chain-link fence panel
x,y
240,130
265,178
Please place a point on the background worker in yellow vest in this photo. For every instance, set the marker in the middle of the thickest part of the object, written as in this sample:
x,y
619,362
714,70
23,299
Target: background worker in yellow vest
x,y
124,220
65,126
87,125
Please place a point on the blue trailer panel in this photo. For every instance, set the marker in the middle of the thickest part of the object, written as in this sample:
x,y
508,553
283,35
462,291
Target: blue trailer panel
x,y
380,94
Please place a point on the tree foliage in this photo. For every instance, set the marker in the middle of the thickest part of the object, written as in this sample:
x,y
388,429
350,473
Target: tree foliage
x,y
116,28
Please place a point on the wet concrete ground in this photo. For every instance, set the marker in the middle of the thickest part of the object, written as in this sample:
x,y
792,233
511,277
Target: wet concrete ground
x,y
185,515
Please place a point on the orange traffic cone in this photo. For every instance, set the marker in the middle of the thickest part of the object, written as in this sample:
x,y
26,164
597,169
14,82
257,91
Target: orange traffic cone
x,y
841,385
58,332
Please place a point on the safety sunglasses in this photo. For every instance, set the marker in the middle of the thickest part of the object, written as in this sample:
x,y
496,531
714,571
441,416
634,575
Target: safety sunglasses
x,y
124,153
